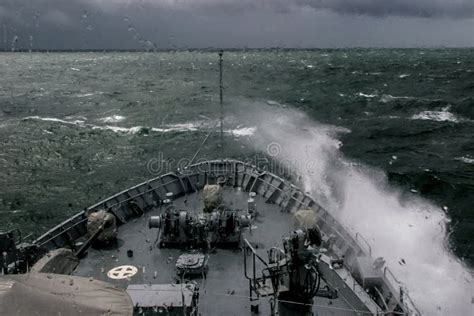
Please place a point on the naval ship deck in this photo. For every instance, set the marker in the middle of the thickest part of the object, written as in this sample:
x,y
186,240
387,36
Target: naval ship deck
x,y
225,290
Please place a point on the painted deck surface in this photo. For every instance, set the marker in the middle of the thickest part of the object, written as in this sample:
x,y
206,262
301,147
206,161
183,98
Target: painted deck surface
x,y
225,290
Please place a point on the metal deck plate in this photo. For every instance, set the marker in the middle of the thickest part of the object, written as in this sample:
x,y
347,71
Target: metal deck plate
x,y
224,291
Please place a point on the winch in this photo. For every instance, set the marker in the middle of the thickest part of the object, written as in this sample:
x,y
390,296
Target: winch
x,y
183,228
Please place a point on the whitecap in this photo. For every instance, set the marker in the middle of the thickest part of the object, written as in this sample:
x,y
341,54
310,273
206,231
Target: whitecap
x,y
75,69
270,102
112,119
84,95
123,130
360,94
403,76
466,159
308,66
437,116
53,119
388,98
116,129
76,117
181,127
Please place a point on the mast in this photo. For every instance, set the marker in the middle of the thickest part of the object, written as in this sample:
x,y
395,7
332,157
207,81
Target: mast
x,y
221,98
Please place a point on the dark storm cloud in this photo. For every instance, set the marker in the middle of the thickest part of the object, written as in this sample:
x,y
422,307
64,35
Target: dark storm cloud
x,y
404,8
376,8
150,24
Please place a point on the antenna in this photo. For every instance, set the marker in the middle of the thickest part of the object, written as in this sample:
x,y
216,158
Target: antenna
x,y
221,91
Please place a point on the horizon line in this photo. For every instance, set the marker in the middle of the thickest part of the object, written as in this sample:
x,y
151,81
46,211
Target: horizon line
x,y
132,50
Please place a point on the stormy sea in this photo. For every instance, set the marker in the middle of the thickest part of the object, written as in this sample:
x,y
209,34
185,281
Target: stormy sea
x,y
383,138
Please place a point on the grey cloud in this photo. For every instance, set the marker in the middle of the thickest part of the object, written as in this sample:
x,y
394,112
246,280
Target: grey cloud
x,y
150,24
57,17
375,8
407,8
3,12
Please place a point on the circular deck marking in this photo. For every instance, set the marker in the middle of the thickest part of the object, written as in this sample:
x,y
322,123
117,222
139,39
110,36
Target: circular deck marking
x,y
122,272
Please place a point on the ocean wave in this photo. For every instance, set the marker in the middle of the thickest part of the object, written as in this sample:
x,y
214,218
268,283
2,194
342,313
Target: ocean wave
x,y
388,98
391,117
112,119
76,117
438,116
466,159
84,95
125,130
271,102
53,119
408,227
178,127
360,94
415,101
181,127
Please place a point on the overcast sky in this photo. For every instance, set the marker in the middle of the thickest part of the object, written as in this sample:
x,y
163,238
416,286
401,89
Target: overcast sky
x,y
125,24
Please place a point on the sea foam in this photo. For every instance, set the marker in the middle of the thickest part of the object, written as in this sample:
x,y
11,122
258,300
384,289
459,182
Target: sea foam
x,y
438,116
360,94
239,131
112,119
466,159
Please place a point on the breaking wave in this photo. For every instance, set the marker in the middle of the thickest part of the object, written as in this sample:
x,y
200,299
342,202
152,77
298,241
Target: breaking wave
x,y
53,119
408,231
112,119
389,98
168,128
466,159
439,116
85,95
369,96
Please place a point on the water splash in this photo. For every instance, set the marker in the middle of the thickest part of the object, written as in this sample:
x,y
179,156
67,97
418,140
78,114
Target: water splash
x,y
408,231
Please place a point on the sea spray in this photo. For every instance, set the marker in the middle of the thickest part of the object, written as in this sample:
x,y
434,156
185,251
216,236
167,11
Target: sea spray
x,y
408,231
